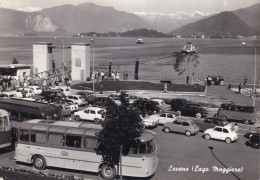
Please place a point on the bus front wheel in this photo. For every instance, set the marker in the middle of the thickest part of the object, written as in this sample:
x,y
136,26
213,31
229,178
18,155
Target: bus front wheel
x,y
107,171
39,162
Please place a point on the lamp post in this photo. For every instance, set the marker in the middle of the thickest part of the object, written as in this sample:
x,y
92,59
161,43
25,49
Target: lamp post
x,y
93,74
246,44
63,63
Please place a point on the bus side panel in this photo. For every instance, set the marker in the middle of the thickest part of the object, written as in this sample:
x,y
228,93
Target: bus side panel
x,y
139,166
5,139
22,153
236,115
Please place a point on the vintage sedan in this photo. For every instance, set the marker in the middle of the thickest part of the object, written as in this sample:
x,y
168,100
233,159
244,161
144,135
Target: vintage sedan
x,y
186,126
73,107
226,133
211,122
150,121
166,117
252,131
95,114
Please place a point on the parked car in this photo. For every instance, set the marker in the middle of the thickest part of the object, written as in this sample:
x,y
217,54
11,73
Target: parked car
x,y
39,98
252,131
226,133
8,94
100,101
211,122
150,121
51,95
254,141
178,104
146,105
73,107
64,108
28,94
186,126
77,99
161,104
166,117
64,89
95,114
88,96
245,114
36,89
193,110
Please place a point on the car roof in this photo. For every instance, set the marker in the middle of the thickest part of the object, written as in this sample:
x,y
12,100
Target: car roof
x,y
94,108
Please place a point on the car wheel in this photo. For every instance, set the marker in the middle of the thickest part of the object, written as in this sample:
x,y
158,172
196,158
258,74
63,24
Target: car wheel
x,y
198,115
207,136
167,130
39,162
228,140
97,121
255,145
107,172
223,117
187,133
246,121
77,118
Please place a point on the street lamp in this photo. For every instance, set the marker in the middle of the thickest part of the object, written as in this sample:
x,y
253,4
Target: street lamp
x,y
246,44
93,72
63,63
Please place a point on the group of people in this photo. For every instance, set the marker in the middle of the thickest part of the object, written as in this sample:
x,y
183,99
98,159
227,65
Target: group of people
x,y
215,80
101,75
8,82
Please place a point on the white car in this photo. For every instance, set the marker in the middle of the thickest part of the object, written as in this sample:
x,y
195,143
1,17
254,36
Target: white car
x,y
77,99
226,133
73,107
95,114
64,89
36,89
151,121
29,93
166,117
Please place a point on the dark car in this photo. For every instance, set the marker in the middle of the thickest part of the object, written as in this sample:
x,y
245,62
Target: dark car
x,y
254,141
211,122
51,95
178,104
194,110
88,96
252,131
146,105
102,101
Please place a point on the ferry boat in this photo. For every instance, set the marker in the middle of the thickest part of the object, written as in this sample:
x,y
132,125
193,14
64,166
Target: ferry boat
x,y
139,41
188,48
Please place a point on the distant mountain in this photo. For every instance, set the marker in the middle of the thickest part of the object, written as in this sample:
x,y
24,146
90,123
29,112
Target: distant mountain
x,y
225,24
250,16
88,17
14,22
165,22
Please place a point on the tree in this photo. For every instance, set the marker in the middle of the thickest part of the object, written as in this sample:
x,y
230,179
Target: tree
x,y
121,130
15,61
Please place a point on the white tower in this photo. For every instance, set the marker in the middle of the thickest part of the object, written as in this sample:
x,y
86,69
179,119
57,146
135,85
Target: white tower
x,y
80,61
42,57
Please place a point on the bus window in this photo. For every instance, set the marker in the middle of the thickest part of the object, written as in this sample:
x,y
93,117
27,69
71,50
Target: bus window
x,y
73,141
143,148
56,139
38,137
24,136
90,143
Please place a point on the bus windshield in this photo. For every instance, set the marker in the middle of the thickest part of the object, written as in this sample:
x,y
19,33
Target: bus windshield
x,y
147,147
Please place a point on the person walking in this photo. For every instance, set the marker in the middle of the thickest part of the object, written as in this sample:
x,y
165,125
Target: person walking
x,y
239,88
101,88
165,88
187,80
236,127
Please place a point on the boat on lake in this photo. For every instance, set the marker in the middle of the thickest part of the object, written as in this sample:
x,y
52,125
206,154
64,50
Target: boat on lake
x,y
139,41
188,48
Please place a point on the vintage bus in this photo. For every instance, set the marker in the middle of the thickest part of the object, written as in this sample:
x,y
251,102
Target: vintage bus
x,y
5,129
71,145
21,110
241,113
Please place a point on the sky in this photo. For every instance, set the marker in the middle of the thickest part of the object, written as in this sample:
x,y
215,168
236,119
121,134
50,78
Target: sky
x,y
148,6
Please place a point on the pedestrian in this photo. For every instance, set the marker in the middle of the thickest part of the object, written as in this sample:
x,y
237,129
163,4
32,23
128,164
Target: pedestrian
x,y
236,127
222,81
239,88
165,87
126,76
187,80
245,80
24,92
101,88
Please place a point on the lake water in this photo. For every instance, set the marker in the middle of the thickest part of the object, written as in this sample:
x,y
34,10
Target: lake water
x,y
224,57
